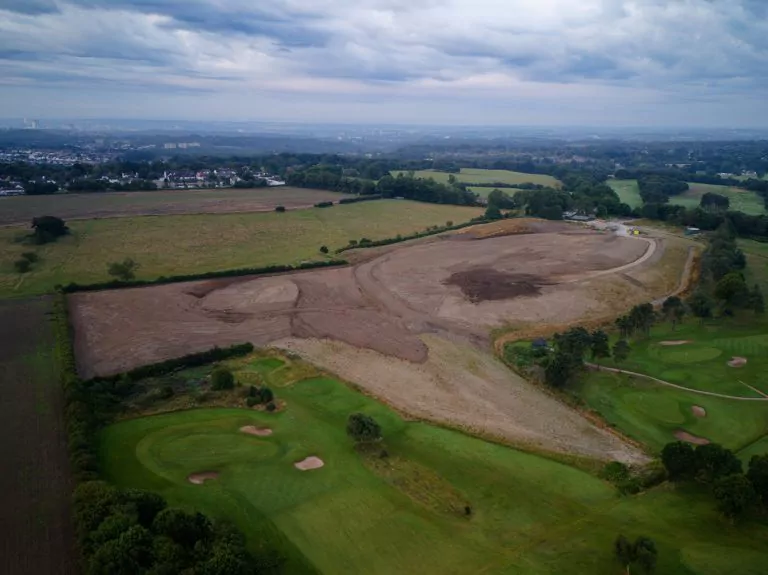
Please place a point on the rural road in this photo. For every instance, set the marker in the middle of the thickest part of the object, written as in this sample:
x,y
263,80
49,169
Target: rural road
x,y
662,382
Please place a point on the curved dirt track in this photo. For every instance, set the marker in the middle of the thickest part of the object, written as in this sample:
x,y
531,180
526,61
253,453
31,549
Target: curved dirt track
x,y
397,313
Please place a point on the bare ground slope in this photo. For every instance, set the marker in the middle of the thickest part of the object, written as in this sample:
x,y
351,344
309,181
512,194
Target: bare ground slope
x,y
402,316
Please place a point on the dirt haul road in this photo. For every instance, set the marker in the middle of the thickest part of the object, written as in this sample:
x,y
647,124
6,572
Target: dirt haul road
x,y
410,326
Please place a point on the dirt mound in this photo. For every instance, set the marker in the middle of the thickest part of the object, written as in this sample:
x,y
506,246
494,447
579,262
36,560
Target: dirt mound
x,y
737,362
486,284
309,463
683,435
253,430
699,411
202,477
675,342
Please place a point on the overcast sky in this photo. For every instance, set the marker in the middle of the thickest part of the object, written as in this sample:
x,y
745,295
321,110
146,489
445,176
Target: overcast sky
x,y
550,62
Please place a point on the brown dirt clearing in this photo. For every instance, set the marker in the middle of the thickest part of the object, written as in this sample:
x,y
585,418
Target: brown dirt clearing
x,y
253,430
683,435
737,362
202,477
309,463
385,306
698,411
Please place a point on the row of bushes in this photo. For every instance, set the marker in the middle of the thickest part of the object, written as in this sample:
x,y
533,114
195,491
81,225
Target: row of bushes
x,y
360,199
324,204
213,355
117,284
366,243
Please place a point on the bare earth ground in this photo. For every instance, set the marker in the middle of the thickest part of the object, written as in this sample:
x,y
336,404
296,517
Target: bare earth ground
x,y
22,209
36,535
409,325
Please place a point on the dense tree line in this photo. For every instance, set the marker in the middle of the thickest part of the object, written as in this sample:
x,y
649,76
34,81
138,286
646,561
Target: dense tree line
x,y
424,190
658,189
735,492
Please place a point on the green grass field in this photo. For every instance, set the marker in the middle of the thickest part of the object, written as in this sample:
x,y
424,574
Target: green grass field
x,y
478,176
652,413
405,513
628,192
171,245
741,200
485,192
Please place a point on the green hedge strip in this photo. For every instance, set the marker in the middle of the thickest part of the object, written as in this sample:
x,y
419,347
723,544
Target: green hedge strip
x,y
116,284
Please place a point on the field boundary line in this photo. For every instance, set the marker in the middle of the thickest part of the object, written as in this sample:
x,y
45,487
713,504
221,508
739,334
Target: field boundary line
x,y
753,388
662,382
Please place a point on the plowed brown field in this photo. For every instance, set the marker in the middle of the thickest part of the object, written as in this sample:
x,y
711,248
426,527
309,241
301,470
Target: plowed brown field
x,y
399,310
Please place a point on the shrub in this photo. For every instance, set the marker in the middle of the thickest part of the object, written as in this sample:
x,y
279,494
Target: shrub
x,y
271,407
280,209
22,266
324,249
31,257
361,427
324,204
251,401
222,378
125,270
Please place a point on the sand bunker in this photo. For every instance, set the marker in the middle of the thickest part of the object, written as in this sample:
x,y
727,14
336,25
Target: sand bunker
x,y
685,436
675,342
253,430
200,478
738,361
311,462
698,411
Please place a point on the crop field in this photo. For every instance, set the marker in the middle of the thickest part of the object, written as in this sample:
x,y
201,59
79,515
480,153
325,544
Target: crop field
x,y
21,209
478,176
36,534
741,200
628,192
438,502
172,245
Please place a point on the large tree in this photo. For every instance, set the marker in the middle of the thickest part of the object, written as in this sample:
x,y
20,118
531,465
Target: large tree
x,y
599,347
48,229
714,461
621,351
735,494
732,291
641,553
758,475
362,428
673,310
679,459
700,304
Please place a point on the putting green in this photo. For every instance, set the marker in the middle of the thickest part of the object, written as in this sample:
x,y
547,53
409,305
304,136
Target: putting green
x,y
406,511
688,354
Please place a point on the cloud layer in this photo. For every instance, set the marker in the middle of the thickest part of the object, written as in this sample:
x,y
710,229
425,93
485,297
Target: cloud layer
x,y
448,61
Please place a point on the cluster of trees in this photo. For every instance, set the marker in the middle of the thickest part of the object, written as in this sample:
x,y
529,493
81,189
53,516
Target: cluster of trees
x,y
261,395
330,177
424,190
657,188
713,201
47,229
124,270
24,263
722,282
134,532
735,492
640,553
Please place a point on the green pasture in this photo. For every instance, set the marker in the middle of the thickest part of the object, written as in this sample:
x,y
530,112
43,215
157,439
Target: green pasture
x,y
406,512
172,245
479,176
651,413
741,200
628,192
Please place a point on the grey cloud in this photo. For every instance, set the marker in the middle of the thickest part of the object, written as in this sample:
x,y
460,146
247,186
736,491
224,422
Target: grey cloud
x,y
29,6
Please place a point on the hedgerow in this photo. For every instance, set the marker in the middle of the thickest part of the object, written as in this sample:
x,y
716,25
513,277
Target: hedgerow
x,y
116,284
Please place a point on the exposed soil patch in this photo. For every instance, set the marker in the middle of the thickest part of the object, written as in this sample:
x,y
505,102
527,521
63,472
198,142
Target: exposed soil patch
x,y
485,284
200,478
737,362
675,342
683,435
253,430
309,463
699,411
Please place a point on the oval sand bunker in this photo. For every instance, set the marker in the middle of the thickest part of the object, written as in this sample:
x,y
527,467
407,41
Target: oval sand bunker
x,y
685,436
737,361
675,342
253,430
698,411
311,462
200,478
